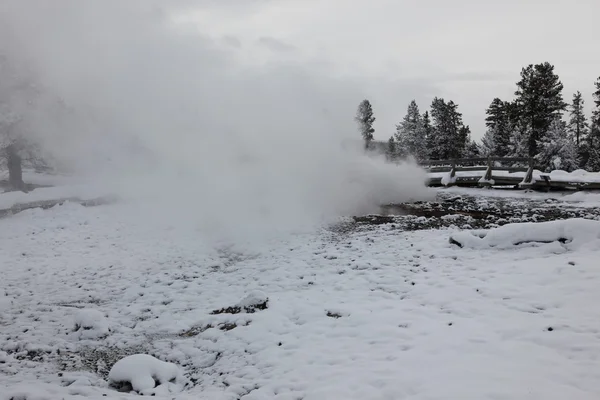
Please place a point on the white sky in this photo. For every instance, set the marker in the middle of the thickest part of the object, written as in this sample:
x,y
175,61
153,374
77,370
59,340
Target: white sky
x,y
469,51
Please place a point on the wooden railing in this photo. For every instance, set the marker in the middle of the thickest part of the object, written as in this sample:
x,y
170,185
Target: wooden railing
x,y
470,164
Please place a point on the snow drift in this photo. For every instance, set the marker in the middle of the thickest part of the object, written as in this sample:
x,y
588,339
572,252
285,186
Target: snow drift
x,y
146,374
167,117
574,233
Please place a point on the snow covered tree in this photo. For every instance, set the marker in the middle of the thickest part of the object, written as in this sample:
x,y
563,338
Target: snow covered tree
x,y
558,149
464,137
449,135
593,161
595,126
15,98
592,144
410,134
428,129
518,145
365,120
577,125
391,149
488,143
472,150
21,102
499,120
539,96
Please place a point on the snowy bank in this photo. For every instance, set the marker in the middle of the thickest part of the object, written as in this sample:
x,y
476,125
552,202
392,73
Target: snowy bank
x,y
80,192
572,232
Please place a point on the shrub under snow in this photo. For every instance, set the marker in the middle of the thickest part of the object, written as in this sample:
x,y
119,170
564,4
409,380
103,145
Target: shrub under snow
x,y
91,324
146,375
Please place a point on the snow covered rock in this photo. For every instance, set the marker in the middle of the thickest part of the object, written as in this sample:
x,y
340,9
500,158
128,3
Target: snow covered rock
x,y
572,232
146,375
255,300
448,180
91,324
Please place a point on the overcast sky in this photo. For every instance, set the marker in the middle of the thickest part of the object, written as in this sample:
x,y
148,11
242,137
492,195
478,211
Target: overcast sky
x,y
392,51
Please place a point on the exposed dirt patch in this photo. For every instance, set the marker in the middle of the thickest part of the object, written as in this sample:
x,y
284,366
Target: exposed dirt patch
x,y
98,360
466,212
237,309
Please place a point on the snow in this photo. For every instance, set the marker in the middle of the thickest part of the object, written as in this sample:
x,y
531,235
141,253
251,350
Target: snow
x,y
144,372
253,299
80,192
486,181
448,180
91,324
573,232
579,175
368,314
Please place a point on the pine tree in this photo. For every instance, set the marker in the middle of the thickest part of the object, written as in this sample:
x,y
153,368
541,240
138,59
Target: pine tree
x,y
593,139
449,135
365,120
593,161
518,145
464,135
558,149
428,130
577,125
472,150
499,119
391,149
595,128
488,143
410,133
539,96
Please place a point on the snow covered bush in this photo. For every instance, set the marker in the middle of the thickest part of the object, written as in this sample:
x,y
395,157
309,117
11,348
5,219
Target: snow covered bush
x,y
146,375
91,324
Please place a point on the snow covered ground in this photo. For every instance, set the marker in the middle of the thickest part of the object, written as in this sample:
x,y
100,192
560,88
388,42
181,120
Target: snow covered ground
x,y
373,313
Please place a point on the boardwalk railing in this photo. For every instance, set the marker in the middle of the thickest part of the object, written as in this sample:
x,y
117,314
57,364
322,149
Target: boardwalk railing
x,y
487,164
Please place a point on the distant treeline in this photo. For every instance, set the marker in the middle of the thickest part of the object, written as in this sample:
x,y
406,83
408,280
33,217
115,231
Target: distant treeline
x,y
536,123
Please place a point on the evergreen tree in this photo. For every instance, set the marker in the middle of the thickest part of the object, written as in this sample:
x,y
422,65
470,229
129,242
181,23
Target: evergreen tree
x,y
539,96
518,145
410,133
464,136
449,135
391,149
595,128
365,120
593,161
499,120
488,143
558,149
596,97
472,150
593,139
577,123
428,130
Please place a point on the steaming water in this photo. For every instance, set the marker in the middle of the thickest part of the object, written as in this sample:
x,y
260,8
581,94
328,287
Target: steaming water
x,y
171,121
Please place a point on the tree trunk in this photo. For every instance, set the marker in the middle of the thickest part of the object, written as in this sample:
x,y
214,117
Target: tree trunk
x,y
15,168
